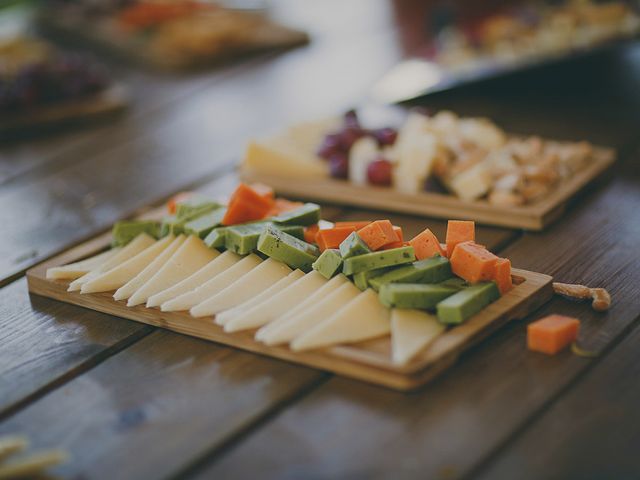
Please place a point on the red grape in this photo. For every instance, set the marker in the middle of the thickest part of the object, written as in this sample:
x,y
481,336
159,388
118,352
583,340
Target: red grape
x,y
330,144
339,165
385,136
379,172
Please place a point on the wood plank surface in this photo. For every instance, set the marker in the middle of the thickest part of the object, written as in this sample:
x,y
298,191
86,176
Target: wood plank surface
x,y
591,432
446,429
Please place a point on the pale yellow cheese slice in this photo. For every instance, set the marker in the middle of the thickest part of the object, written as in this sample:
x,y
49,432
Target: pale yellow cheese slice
x,y
246,287
218,265
133,248
361,319
75,270
227,315
150,270
213,286
118,276
411,332
286,331
306,305
281,159
192,255
278,305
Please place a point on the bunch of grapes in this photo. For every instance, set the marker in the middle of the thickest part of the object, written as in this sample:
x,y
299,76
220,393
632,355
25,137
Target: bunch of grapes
x,y
60,78
336,146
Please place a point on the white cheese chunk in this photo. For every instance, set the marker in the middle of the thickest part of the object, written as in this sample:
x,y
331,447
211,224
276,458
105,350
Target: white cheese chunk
x,y
361,319
472,183
285,331
216,266
227,315
150,270
411,332
118,276
133,248
213,286
278,305
246,287
75,270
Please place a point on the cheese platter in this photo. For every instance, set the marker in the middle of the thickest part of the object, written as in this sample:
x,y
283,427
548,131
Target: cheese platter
x,y
352,298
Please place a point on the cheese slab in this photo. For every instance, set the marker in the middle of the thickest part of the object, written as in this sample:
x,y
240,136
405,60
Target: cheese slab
x,y
118,276
278,305
219,264
361,319
227,315
253,283
192,255
150,270
286,331
309,303
75,270
137,245
411,332
213,286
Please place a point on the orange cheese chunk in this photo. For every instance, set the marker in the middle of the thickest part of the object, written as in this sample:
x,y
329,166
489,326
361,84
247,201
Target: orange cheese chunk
x,y
399,243
503,275
426,245
459,231
310,233
357,224
332,237
378,234
473,262
552,334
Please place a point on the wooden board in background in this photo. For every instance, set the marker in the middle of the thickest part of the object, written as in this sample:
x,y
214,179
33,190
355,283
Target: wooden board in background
x,y
536,216
369,361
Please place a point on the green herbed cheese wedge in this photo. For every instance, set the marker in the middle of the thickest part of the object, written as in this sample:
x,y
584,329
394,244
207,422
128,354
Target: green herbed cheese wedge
x,y
459,307
194,207
353,245
203,225
413,295
329,263
288,249
374,260
430,270
243,239
216,238
125,231
308,214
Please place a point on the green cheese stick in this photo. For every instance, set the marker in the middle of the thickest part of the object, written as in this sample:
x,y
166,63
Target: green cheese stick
x,y
288,249
216,238
384,258
308,214
363,279
459,307
430,270
353,245
329,263
454,282
171,225
203,225
194,207
413,295
125,231
243,239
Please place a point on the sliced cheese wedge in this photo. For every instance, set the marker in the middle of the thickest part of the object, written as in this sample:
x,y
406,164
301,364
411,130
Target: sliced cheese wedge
x,y
361,319
75,270
216,266
308,304
411,332
246,287
150,270
213,286
227,315
133,248
192,255
278,305
286,331
118,276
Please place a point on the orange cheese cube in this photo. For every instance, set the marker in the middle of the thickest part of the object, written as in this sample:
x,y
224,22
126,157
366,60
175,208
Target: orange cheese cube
x,y
552,334
459,231
378,234
503,275
426,245
473,262
332,237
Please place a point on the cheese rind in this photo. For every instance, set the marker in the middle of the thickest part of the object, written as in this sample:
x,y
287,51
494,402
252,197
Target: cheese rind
x,y
150,270
278,305
118,276
192,255
134,247
211,287
74,270
253,283
411,332
361,319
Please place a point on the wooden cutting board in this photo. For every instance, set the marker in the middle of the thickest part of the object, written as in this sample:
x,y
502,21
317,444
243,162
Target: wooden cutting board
x,y
368,361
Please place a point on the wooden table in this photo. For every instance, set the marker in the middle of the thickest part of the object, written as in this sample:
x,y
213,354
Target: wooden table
x,y
131,401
